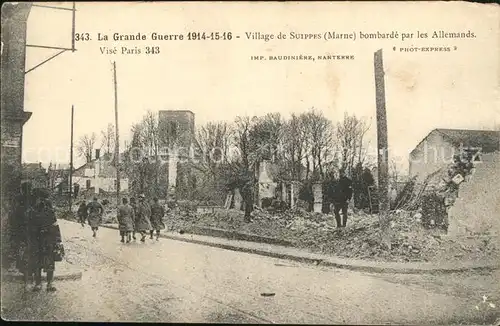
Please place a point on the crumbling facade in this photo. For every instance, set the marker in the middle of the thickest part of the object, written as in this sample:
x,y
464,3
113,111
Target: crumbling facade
x,y
477,208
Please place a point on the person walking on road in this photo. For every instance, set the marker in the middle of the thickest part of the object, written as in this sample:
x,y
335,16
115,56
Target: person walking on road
x,y
157,214
125,220
133,204
82,213
142,221
44,241
341,196
95,211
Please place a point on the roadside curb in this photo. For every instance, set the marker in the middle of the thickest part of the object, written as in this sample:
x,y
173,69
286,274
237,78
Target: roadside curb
x,y
74,276
233,235
321,260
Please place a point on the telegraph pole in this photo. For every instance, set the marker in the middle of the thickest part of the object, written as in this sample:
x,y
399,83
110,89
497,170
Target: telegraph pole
x,y
382,147
117,139
73,26
71,162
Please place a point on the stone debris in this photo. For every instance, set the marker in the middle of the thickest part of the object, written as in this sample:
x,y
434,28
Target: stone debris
x,y
360,239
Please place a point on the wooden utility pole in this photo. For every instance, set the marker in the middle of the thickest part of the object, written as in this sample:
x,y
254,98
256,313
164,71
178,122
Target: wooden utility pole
x,y
73,26
71,162
382,147
117,139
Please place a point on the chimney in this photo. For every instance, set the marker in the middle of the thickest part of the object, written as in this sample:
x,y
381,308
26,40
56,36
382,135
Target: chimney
x,y
97,152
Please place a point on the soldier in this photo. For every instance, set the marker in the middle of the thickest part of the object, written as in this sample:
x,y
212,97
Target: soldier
x,y
133,204
157,214
142,221
125,220
44,240
341,196
82,213
94,211
20,230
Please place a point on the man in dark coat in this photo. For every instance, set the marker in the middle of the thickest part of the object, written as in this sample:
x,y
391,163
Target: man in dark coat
x,y
44,240
125,220
142,221
82,213
133,204
20,229
94,211
341,197
157,214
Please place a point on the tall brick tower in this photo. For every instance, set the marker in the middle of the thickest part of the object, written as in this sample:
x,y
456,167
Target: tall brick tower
x,y
176,128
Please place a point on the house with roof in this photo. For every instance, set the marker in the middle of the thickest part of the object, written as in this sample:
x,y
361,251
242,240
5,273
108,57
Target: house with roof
x,y
99,176
439,147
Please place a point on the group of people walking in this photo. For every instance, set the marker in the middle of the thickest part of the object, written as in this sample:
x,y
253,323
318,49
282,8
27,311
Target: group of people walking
x,y
133,218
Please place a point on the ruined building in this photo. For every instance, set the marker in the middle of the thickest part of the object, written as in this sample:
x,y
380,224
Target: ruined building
x,y
437,149
177,132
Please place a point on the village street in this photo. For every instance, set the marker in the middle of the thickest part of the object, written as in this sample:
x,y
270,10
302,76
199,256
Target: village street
x,y
172,281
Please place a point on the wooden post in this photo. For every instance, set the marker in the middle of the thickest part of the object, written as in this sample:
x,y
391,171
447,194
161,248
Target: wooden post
x,y
117,139
71,162
73,26
382,146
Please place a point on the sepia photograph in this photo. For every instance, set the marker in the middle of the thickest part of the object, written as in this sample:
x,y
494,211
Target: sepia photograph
x,y
305,162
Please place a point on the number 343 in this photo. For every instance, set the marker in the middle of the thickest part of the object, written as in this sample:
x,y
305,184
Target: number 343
x,y
82,37
152,49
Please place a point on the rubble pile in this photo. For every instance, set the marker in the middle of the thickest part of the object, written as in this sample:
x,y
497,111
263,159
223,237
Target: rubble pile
x,y
411,241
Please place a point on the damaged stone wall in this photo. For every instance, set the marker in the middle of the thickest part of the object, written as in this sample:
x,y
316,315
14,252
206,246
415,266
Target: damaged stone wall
x,y
14,24
477,207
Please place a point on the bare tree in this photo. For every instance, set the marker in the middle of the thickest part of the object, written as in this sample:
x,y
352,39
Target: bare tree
x,y
214,141
108,138
319,138
295,147
85,146
267,134
350,137
142,158
212,147
242,167
394,171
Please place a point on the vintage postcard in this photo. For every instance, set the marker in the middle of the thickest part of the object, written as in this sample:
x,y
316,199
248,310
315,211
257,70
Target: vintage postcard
x,y
251,162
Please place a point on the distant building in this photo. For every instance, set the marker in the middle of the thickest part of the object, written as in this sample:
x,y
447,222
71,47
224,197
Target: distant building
x,y
99,175
437,149
58,177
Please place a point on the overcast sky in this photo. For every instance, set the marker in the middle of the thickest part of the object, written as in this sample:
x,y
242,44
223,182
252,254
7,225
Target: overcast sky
x,y
218,81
